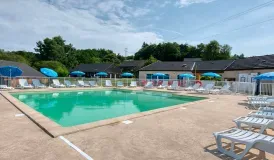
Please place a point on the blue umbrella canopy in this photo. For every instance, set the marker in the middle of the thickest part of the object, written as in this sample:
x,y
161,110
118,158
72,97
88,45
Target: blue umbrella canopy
x,y
101,74
10,71
211,74
265,76
127,74
77,73
186,75
48,72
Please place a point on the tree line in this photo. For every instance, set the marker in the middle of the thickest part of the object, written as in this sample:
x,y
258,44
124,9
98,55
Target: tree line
x,y
55,53
177,52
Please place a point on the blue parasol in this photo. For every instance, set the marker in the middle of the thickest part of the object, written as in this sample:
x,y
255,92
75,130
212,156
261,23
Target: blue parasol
x,y
10,71
265,76
77,73
211,74
186,75
48,72
101,74
127,74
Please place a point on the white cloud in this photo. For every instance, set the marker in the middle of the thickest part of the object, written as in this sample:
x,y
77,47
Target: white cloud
x,y
185,3
85,24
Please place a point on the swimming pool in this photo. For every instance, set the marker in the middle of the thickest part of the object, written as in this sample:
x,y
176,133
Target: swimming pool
x,y
80,107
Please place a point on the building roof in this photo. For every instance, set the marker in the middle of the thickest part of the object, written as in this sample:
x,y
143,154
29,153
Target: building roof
x,y
169,66
192,59
27,70
217,65
97,67
135,63
256,62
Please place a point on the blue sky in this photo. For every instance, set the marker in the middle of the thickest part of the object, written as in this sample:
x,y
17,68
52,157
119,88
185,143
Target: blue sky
x,y
119,24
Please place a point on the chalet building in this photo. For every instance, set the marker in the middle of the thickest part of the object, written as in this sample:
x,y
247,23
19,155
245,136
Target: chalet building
x,y
132,66
26,69
92,69
243,70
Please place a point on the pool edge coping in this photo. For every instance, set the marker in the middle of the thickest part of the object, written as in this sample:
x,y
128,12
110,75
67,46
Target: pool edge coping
x,y
54,130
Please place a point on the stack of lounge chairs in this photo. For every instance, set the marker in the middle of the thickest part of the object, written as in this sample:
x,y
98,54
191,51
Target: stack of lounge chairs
x,y
245,133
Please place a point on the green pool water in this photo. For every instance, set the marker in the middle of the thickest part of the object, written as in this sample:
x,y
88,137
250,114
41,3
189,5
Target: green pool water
x,y
79,107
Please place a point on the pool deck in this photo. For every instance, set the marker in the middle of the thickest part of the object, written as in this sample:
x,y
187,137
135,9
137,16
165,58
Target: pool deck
x,y
184,132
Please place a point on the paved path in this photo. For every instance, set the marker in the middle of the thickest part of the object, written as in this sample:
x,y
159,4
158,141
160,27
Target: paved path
x,y
21,139
175,134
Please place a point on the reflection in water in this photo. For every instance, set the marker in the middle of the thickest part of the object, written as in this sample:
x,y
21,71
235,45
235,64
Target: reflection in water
x,y
73,108
22,97
54,95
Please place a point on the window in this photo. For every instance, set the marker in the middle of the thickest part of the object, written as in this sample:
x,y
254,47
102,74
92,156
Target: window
x,y
149,76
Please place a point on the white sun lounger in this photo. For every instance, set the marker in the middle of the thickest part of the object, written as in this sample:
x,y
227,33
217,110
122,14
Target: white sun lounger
x,y
23,84
192,88
224,89
93,84
261,114
258,101
207,88
82,84
254,122
5,87
120,84
37,84
108,83
148,85
266,109
57,84
69,84
163,85
174,85
133,84
252,140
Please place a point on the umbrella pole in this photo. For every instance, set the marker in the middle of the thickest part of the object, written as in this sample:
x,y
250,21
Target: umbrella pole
x,y
10,78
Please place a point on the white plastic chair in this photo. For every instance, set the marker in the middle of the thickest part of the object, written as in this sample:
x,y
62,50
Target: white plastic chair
x,y
174,85
192,88
24,84
57,84
93,84
148,85
5,87
108,83
82,84
163,85
133,84
250,139
69,84
37,84
254,122
120,84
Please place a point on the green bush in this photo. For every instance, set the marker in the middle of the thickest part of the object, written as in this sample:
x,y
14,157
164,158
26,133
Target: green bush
x,y
56,66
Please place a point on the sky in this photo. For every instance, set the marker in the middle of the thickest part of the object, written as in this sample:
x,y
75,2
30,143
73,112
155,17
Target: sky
x,y
120,24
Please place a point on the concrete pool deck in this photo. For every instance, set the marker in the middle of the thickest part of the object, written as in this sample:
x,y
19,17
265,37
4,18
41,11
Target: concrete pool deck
x,y
181,133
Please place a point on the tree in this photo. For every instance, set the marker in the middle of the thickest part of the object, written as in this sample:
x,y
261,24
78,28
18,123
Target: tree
x,y
56,66
212,51
55,49
235,56
111,58
150,60
13,57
